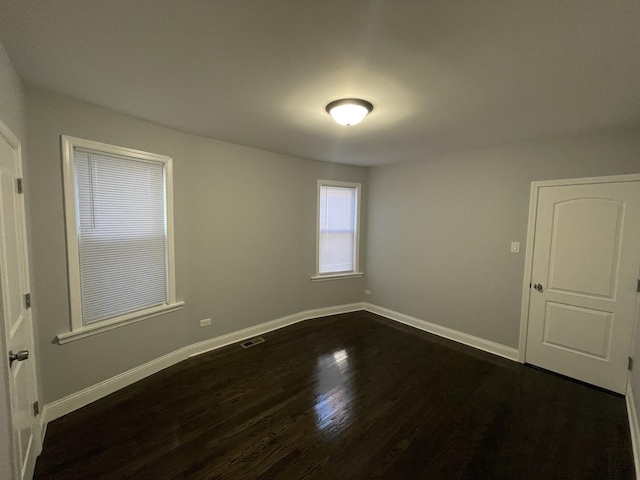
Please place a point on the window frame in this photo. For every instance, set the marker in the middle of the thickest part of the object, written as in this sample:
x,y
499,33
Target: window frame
x,y
355,273
78,329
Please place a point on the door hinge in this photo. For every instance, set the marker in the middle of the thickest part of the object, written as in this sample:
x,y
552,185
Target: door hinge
x,y
19,185
630,363
27,300
638,288
36,408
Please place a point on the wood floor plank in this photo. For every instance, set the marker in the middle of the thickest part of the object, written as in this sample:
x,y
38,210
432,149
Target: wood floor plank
x,y
352,396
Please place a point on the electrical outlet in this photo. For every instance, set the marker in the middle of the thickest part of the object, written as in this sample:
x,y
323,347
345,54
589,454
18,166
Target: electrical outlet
x,y
205,322
367,292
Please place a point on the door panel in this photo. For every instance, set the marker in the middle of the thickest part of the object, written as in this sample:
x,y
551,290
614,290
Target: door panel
x,y
16,317
585,225
586,257
562,321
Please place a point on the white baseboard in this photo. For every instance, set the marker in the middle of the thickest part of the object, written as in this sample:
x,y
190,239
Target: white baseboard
x,y
633,427
476,342
43,427
84,397
77,400
235,337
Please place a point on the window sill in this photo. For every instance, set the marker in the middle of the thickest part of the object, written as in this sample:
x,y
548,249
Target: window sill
x,y
336,276
117,322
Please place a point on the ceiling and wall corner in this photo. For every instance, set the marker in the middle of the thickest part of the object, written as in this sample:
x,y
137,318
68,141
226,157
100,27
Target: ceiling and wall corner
x,y
12,110
444,75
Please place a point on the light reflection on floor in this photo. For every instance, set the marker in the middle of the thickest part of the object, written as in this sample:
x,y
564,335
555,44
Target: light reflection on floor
x,y
334,392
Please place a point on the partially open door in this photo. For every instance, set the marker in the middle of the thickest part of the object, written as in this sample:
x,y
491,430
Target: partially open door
x,y
17,328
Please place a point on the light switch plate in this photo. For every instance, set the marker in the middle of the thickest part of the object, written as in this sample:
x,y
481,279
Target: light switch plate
x,y
515,247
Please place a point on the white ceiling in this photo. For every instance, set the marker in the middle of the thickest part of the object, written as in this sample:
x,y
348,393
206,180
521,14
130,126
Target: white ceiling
x,y
443,75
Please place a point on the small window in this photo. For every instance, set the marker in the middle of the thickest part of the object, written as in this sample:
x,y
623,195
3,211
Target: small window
x,y
338,230
118,206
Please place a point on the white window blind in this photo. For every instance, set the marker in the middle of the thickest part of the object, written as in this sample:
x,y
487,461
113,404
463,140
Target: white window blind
x,y
121,228
337,241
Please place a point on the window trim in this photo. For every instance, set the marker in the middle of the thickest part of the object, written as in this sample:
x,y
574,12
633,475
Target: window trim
x,y
355,273
78,330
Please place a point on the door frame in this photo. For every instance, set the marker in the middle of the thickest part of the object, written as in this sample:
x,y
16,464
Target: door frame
x,y
531,231
13,141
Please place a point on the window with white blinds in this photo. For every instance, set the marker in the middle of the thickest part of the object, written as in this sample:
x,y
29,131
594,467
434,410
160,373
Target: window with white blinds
x,y
118,228
121,234
338,212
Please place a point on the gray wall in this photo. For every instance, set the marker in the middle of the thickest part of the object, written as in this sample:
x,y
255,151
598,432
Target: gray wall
x,y
12,115
440,230
244,240
12,109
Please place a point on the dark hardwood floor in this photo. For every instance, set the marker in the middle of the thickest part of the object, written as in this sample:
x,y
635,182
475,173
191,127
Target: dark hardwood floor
x,y
352,396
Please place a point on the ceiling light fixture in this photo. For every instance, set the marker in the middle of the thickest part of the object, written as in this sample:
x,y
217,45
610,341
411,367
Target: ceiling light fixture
x,y
349,111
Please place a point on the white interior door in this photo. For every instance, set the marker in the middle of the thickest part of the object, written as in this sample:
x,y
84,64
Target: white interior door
x,y
584,280
16,317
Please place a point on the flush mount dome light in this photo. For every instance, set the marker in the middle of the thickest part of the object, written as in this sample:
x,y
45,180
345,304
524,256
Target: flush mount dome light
x,y
349,111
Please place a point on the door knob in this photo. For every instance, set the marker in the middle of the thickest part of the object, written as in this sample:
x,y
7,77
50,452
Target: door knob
x,y
537,286
20,356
